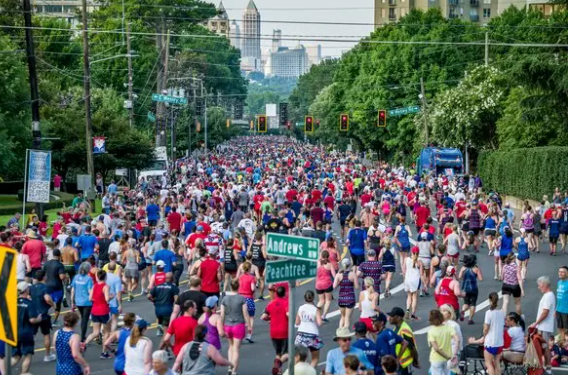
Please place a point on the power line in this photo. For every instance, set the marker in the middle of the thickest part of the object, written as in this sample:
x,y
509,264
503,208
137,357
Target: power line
x,y
362,41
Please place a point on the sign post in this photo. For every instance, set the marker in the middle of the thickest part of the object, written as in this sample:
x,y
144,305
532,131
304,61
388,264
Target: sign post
x,y
404,111
168,99
37,177
302,254
8,302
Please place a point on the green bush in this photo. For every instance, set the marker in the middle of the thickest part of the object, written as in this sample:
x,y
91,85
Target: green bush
x,y
525,173
10,209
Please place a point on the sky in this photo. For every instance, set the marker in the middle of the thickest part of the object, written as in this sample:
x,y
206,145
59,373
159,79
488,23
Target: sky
x,y
359,11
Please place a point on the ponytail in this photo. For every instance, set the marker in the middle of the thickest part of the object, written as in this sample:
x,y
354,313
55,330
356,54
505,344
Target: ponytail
x,y
493,300
135,335
369,284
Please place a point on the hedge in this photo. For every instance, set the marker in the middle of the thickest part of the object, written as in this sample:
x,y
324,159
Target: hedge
x,y
525,173
11,209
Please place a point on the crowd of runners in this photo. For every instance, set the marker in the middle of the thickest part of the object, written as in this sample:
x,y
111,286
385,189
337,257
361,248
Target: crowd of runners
x,y
205,223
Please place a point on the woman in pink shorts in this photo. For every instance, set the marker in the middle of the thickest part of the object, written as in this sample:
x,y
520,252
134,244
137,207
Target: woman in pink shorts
x,y
234,315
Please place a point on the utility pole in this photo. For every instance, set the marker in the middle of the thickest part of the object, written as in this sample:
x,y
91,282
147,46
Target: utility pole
x,y
87,89
487,48
424,116
161,114
30,52
205,115
130,84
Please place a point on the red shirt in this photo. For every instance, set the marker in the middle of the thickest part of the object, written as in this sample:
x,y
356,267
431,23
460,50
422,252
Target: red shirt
x,y
100,304
316,195
183,329
43,227
460,208
159,278
66,216
277,310
422,213
483,208
56,229
365,198
174,219
190,241
209,280
245,282
206,227
36,250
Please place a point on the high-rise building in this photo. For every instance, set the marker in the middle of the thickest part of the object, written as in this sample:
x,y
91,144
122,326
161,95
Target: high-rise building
x,y
289,62
235,35
67,10
220,23
479,11
276,40
314,55
251,32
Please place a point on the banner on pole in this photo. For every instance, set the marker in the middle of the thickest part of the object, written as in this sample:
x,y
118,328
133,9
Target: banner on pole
x,y
39,175
99,145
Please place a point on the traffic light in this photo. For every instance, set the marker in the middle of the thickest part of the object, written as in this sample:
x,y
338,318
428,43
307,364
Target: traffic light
x,y
198,127
199,106
261,121
344,123
382,118
283,110
228,123
309,124
251,128
238,111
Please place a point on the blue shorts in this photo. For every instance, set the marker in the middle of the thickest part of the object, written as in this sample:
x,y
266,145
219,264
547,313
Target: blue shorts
x,y
251,307
103,319
114,310
494,351
56,295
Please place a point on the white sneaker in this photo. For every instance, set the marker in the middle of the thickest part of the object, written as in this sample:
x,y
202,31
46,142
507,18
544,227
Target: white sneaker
x,y
49,358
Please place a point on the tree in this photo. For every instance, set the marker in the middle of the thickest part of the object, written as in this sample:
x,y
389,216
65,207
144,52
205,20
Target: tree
x,y
467,114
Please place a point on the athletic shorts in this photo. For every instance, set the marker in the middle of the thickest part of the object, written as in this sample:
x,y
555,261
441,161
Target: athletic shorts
x,y
475,233
454,256
251,307
152,223
357,259
114,310
490,232
44,326
261,271
514,290
529,230
425,262
561,320
346,306
389,268
495,350
56,295
553,239
563,230
322,291
236,332
280,346
404,249
103,319
470,298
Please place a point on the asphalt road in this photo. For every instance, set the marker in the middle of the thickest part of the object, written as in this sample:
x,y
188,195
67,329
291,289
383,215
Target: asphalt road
x,y
257,358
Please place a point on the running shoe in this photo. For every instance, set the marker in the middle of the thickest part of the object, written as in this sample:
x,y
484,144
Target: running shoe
x,y
49,358
105,355
470,322
462,316
261,298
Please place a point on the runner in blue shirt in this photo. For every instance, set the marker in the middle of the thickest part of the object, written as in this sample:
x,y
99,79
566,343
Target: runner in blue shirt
x,y
87,244
167,256
153,212
357,240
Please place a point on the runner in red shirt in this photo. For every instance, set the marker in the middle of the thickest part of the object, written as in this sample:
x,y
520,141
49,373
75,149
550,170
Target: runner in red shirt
x,y
422,214
277,314
35,249
182,328
210,274
174,219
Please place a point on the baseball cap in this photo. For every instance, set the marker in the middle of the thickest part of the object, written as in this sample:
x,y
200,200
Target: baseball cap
x,y
451,271
360,327
160,263
23,286
142,324
415,250
396,311
200,227
380,317
211,302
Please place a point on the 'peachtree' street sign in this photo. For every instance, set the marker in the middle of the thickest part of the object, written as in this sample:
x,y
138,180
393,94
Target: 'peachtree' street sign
x,y
289,270
295,247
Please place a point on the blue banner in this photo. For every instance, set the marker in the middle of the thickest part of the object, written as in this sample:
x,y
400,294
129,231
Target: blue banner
x,y
39,176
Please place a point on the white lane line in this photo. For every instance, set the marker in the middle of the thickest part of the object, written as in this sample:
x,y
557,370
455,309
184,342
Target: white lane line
x,y
335,313
478,308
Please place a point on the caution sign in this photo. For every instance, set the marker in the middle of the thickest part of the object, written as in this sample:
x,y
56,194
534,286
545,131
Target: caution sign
x,y
8,296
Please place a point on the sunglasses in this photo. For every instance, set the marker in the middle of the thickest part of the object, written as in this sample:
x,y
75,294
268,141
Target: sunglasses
x,y
344,339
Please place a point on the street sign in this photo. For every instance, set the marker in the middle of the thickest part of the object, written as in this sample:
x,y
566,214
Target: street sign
x,y
290,270
296,247
8,296
151,117
404,111
39,175
168,99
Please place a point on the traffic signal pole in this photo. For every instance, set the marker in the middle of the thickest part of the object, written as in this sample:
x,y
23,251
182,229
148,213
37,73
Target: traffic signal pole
x,y
87,89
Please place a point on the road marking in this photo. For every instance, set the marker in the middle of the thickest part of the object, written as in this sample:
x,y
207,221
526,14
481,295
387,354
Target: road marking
x,y
335,313
478,308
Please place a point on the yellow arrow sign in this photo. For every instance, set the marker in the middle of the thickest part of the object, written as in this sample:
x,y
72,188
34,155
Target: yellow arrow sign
x,y
8,296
